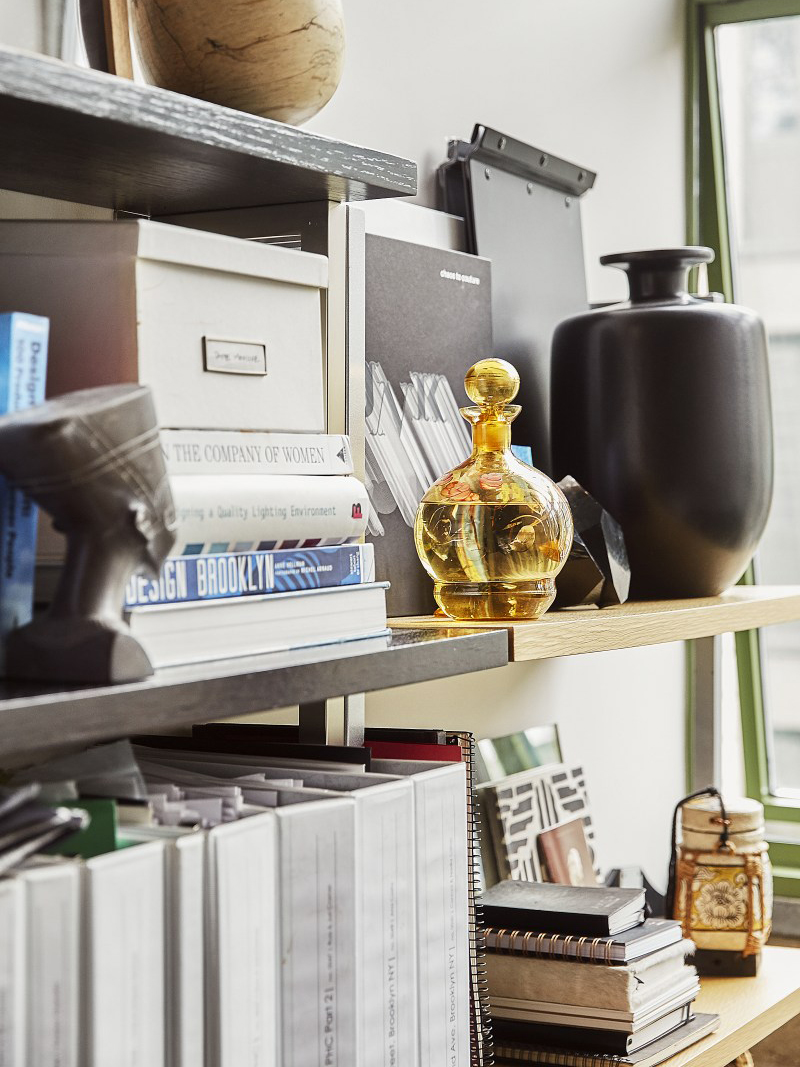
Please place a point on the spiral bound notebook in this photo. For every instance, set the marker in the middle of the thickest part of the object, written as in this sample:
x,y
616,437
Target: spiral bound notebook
x,y
394,747
652,935
481,1048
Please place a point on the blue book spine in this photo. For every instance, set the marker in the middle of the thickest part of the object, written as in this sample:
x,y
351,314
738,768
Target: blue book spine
x,y
231,575
23,365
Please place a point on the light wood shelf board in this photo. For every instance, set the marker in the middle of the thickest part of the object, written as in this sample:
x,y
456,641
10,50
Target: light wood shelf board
x,y
578,630
750,1009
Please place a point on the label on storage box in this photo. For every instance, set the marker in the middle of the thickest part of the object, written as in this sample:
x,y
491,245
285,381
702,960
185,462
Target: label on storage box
x,y
235,357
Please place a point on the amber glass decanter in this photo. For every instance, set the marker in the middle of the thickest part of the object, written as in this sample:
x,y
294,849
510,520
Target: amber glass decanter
x,y
493,533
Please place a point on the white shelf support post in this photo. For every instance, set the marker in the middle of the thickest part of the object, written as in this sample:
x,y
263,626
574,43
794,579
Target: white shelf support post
x,y
337,721
705,713
354,720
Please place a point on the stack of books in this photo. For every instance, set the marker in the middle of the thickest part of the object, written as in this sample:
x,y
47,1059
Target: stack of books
x,y
578,976
267,555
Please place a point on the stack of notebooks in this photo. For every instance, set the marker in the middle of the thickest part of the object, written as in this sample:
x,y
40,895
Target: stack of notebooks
x,y
578,977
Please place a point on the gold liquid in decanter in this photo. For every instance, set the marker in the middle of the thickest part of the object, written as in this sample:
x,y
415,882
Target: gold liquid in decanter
x,y
493,533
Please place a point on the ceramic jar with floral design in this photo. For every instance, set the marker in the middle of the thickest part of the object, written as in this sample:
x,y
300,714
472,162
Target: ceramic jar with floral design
x,y
723,878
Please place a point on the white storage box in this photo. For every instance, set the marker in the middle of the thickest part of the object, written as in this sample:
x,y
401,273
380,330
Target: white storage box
x,y
228,333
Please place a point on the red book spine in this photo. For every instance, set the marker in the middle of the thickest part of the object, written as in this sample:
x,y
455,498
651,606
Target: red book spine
x,y
398,750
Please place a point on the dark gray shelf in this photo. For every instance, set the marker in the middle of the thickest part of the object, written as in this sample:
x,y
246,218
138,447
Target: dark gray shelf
x,y
33,718
81,135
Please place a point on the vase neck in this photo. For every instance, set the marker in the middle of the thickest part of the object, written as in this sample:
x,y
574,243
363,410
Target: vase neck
x,y
659,274
657,283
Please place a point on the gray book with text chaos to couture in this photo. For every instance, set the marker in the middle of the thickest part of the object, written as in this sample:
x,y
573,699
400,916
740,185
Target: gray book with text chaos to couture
x,y
428,319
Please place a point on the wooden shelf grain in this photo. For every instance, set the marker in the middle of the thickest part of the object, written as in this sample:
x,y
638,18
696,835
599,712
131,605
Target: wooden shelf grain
x,y
750,1009
578,630
33,717
82,135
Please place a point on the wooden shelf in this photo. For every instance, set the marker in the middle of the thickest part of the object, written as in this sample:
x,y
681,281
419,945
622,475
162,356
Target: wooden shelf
x,y
578,630
34,717
750,1009
81,135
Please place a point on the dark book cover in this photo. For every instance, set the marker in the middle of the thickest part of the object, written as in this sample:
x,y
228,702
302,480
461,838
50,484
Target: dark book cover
x,y
586,1039
561,909
275,732
405,736
428,319
511,1049
249,744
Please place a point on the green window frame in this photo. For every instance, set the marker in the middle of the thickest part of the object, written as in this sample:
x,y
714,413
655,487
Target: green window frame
x,y
708,224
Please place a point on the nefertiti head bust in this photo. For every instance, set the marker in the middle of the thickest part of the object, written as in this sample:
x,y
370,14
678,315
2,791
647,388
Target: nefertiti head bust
x,y
92,460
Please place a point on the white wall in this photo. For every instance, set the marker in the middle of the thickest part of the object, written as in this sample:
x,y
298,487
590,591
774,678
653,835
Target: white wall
x,y
21,24
620,715
599,82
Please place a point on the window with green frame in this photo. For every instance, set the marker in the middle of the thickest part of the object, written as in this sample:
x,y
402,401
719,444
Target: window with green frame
x,y
743,199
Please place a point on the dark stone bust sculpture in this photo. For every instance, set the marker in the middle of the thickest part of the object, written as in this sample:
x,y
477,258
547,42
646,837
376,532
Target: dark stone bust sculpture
x,y
92,459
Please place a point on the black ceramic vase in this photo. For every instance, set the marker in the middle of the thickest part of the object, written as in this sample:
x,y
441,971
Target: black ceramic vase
x,y
661,410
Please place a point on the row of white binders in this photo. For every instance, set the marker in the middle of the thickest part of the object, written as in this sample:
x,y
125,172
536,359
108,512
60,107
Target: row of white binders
x,y
324,925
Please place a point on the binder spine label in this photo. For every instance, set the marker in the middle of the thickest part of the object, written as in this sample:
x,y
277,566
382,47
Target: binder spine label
x,y
327,955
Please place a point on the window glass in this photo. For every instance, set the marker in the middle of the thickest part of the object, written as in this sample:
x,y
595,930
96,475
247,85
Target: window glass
x,y
759,82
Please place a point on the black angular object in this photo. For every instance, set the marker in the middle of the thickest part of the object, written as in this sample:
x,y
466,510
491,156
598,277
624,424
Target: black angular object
x,y
661,409
714,963
597,570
